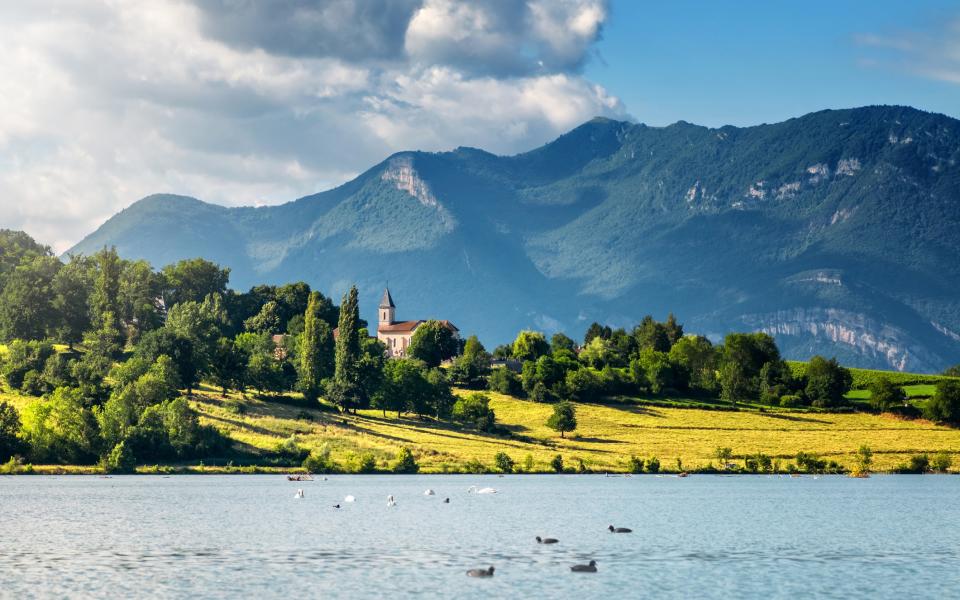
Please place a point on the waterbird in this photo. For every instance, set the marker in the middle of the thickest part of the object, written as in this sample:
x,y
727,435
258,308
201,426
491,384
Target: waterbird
x,y
589,568
349,499
547,540
299,494
486,490
480,572
619,529
391,501
429,492
446,500
336,506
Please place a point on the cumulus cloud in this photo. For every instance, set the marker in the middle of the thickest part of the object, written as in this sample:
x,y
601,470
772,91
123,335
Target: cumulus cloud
x,y
932,54
245,102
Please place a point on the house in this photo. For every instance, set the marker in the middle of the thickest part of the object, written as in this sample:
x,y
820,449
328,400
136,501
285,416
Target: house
x,y
397,335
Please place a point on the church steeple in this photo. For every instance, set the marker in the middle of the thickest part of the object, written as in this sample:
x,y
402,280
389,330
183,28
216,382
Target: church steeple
x,y
387,308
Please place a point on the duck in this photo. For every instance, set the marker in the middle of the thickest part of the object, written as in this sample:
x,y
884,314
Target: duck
x,y
336,506
446,500
429,493
619,529
591,567
488,572
541,540
487,490
349,499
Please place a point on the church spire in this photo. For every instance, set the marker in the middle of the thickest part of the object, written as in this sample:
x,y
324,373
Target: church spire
x,y
388,309
387,300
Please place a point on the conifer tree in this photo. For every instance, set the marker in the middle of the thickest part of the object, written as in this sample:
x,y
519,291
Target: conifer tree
x,y
315,357
345,387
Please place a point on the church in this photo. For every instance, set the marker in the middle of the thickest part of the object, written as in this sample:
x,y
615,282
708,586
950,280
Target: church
x,y
397,335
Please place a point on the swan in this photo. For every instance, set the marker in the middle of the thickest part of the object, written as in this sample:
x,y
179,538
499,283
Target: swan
x,y
547,540
349,499
299,494
480,572
429,493
391,501
588,568
619,529
487,490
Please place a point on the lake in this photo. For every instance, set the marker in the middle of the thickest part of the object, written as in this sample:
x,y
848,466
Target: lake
x,y
698,537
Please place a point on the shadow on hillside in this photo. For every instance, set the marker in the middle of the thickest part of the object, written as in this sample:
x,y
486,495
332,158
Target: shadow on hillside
x,y
792,417
637,409
238,424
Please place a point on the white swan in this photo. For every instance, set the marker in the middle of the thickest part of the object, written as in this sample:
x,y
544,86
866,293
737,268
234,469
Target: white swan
x,y
429,493
299,494
349,499
391,501
487,490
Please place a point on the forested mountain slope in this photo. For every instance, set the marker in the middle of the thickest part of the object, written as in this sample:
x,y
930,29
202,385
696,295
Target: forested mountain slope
x,y
836,231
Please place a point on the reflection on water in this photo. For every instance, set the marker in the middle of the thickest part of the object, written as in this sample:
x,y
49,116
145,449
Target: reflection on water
x,y
699,537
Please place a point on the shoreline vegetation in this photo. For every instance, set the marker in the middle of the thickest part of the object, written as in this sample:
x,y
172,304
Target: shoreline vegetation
x,y
109,366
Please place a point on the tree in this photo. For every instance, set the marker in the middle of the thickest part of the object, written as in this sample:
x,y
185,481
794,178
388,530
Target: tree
x,y
474,411
346,377
530,345
659,373
503,462
203,323
26,301
120,460
598,353
742,357
884,394
10,443
105,296
827,382
315,355
71,291
697,356
723,455
228,365
473,365
564,417
405,462
141,289
505,381
953,371
864,461
560,341
594,331
268,320
433,342
556,463
651,334
193,280
61,428
404,386
944,407
181,350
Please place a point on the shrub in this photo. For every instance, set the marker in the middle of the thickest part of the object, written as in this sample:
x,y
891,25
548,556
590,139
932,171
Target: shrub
x,y
827,382
120,460
474,466
810,463
635,465
319,461
557,463
15,466
653,465
918,463
791,401
884,394
542,394
10,443
474,411
528,463
363,463
941,462
291,450
503,462
405,462
944,407
505,381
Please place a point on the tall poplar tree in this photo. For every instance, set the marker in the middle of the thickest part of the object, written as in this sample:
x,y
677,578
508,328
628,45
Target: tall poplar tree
x,y
105,297
315,358
345,388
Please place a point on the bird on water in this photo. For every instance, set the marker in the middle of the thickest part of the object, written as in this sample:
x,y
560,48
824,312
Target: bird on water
x,y
588,568
481,572
619,529
541,540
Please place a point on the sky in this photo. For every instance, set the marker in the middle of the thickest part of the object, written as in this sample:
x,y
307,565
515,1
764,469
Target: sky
x,y
243,102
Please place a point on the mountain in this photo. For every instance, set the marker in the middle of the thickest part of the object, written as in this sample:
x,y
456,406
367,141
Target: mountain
x,y
836,231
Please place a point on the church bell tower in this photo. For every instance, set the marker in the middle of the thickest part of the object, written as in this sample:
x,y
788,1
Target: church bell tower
x,y
387,309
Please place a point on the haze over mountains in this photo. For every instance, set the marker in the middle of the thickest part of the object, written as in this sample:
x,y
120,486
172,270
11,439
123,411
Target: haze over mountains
x,y
836,231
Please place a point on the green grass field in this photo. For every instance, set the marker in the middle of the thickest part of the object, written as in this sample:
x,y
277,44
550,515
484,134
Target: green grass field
x,y
606,437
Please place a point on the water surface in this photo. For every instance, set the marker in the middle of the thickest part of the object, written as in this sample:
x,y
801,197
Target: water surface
x,y
699,537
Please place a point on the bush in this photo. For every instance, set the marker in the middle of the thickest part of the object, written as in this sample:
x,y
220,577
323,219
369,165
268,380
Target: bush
x,y
474,411
542,394
944,407
474,466
120,460
653,465
10,443
505,381
884,395
363,463
557,463
635,465
405,462
503,462
810,463
528,465
918,463
941,462
291,450
791,401
319,461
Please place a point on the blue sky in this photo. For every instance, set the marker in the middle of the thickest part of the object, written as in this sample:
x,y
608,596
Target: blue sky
x,y
748,62
253,103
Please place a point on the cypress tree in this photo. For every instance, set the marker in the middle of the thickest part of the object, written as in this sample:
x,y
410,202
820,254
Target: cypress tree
x,y
346,378
316,349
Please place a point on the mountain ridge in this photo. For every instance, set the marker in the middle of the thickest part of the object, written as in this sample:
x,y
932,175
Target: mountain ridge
x,y
842,210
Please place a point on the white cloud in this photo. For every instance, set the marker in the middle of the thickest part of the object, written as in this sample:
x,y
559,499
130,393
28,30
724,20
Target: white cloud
x,y
104,103
932,54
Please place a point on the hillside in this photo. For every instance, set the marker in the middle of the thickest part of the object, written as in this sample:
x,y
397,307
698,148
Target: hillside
x,y
606,437
835,231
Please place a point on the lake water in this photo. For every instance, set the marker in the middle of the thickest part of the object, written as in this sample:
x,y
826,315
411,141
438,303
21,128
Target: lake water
x,y
698,537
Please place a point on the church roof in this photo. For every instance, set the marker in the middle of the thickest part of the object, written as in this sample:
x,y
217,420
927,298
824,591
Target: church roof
x,y
409,326
387,300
